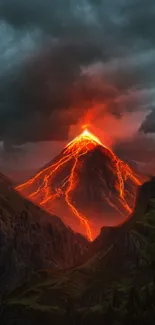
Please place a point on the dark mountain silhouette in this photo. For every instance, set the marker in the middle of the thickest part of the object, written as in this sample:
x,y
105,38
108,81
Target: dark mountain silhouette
x,y
114,284
31,239
87,184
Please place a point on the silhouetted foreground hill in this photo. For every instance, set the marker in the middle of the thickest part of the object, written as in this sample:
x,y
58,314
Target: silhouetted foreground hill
x,y
115,286
31,240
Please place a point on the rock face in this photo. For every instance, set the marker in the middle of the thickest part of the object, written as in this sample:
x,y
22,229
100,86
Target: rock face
x,y
85,180
31,240
114,285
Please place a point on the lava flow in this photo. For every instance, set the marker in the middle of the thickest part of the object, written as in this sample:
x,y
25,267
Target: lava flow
x,y
62,179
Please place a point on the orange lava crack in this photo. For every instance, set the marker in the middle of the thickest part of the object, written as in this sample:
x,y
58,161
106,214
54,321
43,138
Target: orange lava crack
x,y
73,151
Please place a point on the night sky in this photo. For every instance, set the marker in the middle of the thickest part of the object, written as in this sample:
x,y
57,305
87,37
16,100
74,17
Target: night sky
x,y
64,63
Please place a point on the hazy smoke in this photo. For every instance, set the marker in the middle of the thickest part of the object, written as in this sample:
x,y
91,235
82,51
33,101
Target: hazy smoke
x,y
59,58
148,126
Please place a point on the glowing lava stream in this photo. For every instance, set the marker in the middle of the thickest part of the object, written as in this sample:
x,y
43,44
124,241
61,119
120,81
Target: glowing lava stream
x,y
73,151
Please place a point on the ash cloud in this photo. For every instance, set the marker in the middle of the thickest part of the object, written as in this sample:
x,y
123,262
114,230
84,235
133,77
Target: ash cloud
x,y
139,152
59,58
148,126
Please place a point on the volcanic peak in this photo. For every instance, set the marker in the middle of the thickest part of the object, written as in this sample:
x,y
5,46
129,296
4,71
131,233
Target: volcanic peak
x,y
67,177
85,141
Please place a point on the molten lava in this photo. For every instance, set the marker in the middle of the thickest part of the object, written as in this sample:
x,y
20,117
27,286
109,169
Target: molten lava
x,y
42,189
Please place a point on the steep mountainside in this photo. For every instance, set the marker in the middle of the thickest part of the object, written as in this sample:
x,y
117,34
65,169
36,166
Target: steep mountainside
x,y
115,286
31,239
87,184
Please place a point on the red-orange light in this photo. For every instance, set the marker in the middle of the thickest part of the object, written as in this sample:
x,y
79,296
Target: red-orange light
x,y
72,152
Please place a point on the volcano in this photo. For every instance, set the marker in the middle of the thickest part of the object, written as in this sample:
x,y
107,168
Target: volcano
x,y
87,184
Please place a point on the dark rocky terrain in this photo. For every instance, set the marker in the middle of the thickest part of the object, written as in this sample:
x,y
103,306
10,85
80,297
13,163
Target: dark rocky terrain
x,y
99,179
31,239
114,285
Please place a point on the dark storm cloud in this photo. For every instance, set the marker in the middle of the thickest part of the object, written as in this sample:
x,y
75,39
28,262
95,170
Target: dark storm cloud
x,y
148,126
139,152
140,20
144,153
42,94
37,105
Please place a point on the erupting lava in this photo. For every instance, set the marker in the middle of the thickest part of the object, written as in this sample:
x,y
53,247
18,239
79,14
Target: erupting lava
x,y
48,184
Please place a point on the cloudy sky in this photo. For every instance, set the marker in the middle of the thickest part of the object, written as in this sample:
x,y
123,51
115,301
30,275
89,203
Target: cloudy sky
x,y
65,63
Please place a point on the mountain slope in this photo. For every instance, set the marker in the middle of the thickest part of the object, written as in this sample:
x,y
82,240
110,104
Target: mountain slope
x,y
31,239
87,184
115,286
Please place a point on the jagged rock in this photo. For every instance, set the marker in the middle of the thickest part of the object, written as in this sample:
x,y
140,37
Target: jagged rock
x,y
31,239
115,282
